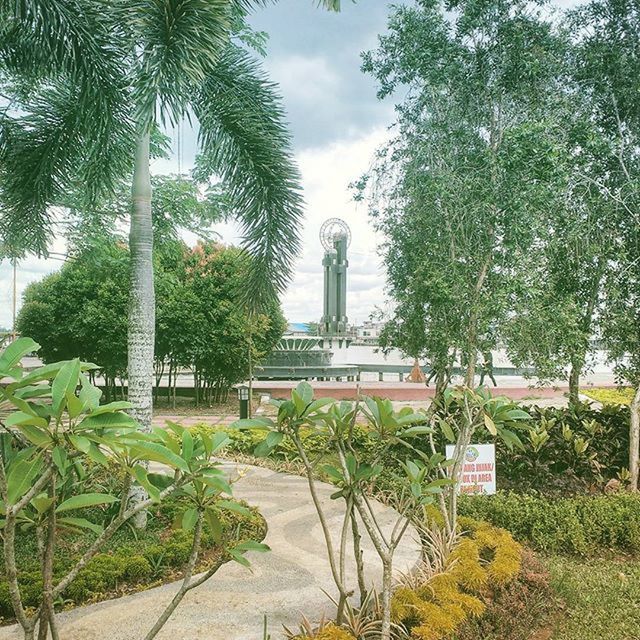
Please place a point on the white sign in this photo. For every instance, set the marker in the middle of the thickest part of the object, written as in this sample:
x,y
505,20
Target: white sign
x,y
479,469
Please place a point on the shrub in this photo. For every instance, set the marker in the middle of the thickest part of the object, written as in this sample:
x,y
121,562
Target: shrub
x,y
573,450
578,525
619,395
485,559
514,609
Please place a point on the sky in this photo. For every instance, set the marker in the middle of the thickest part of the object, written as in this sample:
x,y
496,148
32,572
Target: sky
x,y
336,123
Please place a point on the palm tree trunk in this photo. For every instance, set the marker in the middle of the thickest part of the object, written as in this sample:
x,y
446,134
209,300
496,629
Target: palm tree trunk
x,y
142,309
141,328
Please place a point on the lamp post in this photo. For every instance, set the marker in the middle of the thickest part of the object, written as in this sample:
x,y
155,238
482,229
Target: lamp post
x,y
243,396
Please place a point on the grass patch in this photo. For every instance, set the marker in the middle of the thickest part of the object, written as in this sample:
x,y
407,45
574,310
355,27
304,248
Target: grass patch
x,y
602,598
619,395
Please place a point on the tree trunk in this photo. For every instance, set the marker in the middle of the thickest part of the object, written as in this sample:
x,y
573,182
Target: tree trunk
x,y
387,577
358,555
634,439
574,383
141,329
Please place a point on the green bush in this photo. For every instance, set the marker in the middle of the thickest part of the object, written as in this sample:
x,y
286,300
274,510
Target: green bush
x,y
105,572
581,525
569,450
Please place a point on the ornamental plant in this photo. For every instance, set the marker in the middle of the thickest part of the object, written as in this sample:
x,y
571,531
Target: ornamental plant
x,y
355,477
462,416
55,429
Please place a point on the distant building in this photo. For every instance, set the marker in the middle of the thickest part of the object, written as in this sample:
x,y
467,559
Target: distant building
x,y
298,328
368,332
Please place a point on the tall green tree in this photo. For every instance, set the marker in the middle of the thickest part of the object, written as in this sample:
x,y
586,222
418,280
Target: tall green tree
x,y
201,325
87,90
556,314
458,192
607,67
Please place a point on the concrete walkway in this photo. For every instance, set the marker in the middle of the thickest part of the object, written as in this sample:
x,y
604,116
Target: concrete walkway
x,y
283,584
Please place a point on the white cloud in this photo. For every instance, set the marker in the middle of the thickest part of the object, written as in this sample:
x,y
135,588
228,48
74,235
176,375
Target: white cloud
x,y
326,174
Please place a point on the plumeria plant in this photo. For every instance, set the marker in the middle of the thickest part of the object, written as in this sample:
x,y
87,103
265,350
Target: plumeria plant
x,y
55,430
354,476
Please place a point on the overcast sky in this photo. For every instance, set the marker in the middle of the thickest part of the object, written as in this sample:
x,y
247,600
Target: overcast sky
x,y
336,122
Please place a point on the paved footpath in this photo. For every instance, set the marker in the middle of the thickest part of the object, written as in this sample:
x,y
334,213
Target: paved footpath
x,y
283,584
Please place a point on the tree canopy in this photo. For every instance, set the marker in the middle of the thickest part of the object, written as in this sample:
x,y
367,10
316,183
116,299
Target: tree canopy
x,y
81,311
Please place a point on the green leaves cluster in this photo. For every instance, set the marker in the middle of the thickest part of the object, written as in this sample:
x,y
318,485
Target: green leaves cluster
x,y
82,91
508,197
81,311
57,430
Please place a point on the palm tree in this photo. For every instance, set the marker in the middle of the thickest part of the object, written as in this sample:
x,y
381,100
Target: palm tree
x,y
86,85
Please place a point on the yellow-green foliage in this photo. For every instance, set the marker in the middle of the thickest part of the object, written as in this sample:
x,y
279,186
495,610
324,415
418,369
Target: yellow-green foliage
x,y
619,395
330,632
485,556
502,554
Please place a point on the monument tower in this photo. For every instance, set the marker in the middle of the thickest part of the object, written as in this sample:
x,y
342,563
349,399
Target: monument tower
x,y
336,238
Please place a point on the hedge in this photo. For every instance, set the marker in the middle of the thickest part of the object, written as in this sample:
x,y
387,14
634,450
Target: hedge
x,y
580,525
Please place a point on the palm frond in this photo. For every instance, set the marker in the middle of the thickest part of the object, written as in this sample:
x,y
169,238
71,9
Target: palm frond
x,y
40,39
244,141
181,42
59,139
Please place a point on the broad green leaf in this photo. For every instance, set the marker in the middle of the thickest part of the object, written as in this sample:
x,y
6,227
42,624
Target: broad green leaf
x,y
305,392
490,425
333,472
59,457
218,483
65,382
80,523
42,503
220,440
12,355
21,404
48,372
80,442
85,500
518,414
111,407
187,445
273,439
212,519
20,478
39,437
74,405
231,505
108,421
97,456
417,431
89,395
189,519
159,453
140,474
32,391
447,431
239,558
19,418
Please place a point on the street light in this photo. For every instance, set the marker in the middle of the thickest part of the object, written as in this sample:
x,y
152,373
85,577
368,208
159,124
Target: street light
x,y
243,396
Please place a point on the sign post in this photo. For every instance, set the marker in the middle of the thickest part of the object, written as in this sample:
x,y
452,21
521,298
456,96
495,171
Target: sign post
x,y
478,470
